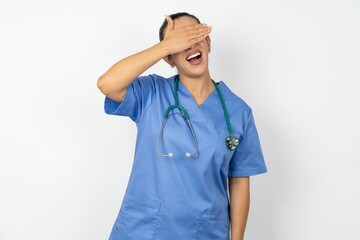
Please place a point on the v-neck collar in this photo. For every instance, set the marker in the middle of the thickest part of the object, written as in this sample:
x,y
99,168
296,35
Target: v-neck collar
x,y
186,99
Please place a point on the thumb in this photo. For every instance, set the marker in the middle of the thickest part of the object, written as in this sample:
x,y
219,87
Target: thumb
x,y
170,22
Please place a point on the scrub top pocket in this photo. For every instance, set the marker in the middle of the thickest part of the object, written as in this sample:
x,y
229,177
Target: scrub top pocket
x,y
214,226
137,219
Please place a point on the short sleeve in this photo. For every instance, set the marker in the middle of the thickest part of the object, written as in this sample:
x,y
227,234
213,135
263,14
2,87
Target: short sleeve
x,y
139,96
248,158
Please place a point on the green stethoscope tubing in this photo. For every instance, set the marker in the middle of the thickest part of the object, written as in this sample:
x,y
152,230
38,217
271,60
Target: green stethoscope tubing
x,y
231,141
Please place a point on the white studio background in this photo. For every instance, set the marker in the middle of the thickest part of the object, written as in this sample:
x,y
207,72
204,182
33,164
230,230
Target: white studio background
x,y
64,163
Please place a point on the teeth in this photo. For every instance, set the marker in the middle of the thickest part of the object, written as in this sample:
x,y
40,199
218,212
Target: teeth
x,y
193,56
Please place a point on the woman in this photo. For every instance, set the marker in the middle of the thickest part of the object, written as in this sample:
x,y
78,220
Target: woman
x,y
183,161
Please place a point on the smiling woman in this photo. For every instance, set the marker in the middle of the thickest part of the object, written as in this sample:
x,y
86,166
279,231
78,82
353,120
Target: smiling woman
x,y
178,187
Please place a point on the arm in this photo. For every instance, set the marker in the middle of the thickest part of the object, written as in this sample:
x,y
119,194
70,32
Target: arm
x,y
239,206
113,83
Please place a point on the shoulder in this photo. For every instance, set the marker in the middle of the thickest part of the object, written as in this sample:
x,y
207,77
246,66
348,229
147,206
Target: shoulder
x,y
156,79
234,102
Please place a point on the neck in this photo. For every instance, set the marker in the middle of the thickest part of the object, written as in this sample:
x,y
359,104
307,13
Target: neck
x,y
200,88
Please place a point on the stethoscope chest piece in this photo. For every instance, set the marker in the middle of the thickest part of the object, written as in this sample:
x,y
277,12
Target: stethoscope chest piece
x,y
232,142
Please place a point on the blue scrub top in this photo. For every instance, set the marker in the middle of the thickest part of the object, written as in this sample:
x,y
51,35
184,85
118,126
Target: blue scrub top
x,y
181,197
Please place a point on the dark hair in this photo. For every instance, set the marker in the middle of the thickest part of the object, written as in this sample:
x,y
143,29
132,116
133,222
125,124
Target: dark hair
x,y
173,17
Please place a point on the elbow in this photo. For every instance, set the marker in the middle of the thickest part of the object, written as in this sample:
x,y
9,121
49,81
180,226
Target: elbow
x,y
101,84
108,90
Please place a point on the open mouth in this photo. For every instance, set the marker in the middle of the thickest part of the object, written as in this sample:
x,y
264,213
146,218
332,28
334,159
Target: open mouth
x,y
194,56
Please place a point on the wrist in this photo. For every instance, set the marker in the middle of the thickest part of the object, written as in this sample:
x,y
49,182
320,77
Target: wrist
x,y
163,49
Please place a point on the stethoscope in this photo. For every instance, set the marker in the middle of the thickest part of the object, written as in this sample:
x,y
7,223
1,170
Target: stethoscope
x,y
231,141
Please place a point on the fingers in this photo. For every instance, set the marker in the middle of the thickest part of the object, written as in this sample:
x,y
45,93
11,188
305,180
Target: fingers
x,y
194,29
199,32
194,34
180,38
199,28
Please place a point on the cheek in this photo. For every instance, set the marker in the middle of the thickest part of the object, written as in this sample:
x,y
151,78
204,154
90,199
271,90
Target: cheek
x,y
176,57
207,47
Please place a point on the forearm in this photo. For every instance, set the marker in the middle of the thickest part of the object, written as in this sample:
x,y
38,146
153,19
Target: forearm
x,y
239,206
114,81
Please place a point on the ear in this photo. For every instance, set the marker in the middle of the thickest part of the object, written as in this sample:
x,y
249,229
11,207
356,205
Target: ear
x,y
168,60
208,41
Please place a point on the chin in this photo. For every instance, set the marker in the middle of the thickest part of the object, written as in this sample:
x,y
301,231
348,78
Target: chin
x,y
197,71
